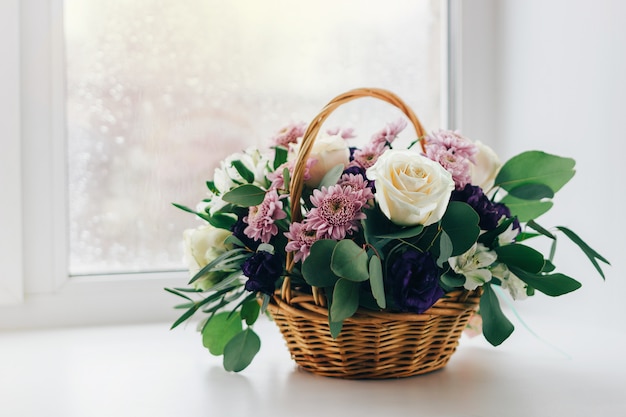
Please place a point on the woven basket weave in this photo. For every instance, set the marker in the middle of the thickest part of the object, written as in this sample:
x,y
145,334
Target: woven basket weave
x,y
372,344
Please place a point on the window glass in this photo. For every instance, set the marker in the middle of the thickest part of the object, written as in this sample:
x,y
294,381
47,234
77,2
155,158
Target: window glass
x,y
159,91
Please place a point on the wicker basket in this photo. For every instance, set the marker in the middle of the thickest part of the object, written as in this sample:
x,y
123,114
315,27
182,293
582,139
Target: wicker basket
x,y
372,344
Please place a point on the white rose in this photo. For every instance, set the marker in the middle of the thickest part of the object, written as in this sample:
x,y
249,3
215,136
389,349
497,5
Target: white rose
x,y
201,246
226,176
484,172
328,152
410,188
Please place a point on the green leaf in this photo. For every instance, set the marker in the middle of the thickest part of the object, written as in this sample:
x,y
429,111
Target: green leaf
x,y
460,222
245,173
535,167
175,292
588,251
552,285
218,331
533,225
521,256
376,281
222,221
186,315
188,210
335,328
445,248
212,188
280,156
246,195
250,311
349,261
496,327
532,191
526,210
377,225
332,176
345,300
453,281
316,268
239,352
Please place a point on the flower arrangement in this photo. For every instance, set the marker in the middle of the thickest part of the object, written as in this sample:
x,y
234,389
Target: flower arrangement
x,y
370,228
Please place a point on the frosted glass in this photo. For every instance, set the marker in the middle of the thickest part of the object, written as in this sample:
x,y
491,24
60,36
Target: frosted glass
x,y
158,91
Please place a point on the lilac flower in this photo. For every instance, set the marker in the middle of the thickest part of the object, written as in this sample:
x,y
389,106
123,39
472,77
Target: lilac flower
x,y
289,134
301,237
278,181
387,135
414,281
263,270
490,213
261,219
358,170
453,152
337,211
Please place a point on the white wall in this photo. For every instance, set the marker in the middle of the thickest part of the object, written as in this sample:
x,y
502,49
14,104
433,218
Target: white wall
x,y
558,83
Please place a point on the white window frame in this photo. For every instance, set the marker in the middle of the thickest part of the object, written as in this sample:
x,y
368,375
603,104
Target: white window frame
x,y
35,287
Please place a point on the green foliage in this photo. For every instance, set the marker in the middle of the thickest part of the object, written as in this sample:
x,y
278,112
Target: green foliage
x,y
521,256
316,268
377,282
246,195
549,284
345,300
593,256
218,331
349,261
496,327
460,222
526,210
532,172
245,173
240,350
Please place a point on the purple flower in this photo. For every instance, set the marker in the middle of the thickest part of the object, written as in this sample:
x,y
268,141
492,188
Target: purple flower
x,y
414,279
263,270
490,213
337,211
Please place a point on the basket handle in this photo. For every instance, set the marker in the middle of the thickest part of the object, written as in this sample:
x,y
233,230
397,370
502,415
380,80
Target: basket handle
x,y
297,178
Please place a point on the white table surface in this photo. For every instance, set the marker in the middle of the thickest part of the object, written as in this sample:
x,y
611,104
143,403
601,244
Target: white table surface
x,y
146,370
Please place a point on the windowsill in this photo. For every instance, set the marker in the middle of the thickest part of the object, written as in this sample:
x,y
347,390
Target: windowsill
x,y
144,370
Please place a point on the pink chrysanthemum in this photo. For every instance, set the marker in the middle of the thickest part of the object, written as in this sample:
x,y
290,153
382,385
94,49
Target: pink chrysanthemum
x,y
453,152
452,141
289,134
301,237
337,211
455,164
358,183
368,155
277,179
261,219
347,133
390,132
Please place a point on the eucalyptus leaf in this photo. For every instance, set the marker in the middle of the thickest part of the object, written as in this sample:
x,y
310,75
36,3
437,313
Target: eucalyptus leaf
x,y
332,176
316,268
445,248
280,156
526,210
535,226
345,299
532,191
535,167
349,261
221,221
376,281
453,280
219,330
246,195
335,328
245,173
250,311
553,285
460,222
240,350
496,327
521,256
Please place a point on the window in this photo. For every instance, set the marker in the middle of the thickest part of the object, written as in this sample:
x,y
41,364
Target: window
x,y
87,82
